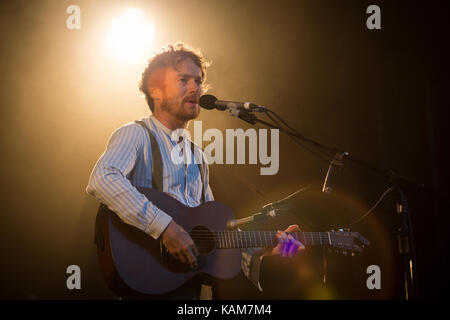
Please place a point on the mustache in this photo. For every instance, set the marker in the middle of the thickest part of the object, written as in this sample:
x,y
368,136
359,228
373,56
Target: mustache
x,y
193,98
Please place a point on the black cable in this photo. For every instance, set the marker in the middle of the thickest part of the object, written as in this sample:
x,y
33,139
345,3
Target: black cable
x,y
327,149
292,135
373,207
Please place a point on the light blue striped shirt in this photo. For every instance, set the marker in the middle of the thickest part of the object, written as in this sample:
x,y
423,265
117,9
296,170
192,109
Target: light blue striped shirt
x,y
112,183
129,147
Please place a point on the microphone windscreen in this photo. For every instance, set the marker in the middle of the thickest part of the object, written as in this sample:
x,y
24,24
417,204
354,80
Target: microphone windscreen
x,y
207,101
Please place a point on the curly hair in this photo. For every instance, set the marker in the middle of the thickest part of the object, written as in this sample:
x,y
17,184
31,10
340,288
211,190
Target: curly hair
x,y
170,56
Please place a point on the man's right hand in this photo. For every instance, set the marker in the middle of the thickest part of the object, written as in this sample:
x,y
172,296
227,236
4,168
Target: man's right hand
x,y
180,244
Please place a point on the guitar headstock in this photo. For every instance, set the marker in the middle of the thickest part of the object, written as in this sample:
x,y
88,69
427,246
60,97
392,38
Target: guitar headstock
x,y
348,241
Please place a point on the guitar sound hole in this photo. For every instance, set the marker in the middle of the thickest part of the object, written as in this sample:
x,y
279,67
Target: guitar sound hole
x,y
204,239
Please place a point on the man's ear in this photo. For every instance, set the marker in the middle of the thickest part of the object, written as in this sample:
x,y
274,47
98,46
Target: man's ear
x,y
156,82
155,93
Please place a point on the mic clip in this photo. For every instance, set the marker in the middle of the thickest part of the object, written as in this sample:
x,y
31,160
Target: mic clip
x,y
338,162
233,110
245,115
267,211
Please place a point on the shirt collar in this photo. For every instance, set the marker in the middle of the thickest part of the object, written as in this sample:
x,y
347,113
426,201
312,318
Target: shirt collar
x,y
169,132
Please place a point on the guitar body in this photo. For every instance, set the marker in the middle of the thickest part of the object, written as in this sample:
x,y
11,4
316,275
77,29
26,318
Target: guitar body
x,y
136,266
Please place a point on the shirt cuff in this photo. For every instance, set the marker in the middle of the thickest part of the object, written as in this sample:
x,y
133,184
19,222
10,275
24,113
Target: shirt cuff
x,y
159,223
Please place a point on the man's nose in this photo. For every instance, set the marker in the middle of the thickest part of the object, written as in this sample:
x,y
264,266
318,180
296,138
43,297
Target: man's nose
x,y
193,86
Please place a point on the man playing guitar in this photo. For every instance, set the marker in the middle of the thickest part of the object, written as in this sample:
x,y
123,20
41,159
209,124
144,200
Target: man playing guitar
x,y
172,84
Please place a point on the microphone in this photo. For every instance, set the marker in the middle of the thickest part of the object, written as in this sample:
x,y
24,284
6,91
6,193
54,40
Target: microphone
x,y
269,210
210,102
259,216
337,161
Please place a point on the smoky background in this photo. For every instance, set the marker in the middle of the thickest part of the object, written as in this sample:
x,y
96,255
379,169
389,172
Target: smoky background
x,y
378,94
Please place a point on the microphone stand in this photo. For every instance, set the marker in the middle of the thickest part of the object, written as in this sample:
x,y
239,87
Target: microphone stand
x,y
404,233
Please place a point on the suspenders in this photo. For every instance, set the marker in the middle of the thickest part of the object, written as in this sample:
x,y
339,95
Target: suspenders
x,y
157,183
157,166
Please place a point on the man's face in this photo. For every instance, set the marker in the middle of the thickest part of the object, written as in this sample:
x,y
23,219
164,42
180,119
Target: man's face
x,y
181,90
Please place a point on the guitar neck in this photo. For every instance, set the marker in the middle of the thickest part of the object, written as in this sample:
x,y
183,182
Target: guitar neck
x,y
255,239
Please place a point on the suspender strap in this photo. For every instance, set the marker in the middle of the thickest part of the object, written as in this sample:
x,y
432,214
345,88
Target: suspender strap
x,y
157,183
202,175
157,168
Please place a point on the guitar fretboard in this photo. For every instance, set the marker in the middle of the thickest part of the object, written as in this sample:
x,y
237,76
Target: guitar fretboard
x,y
252,239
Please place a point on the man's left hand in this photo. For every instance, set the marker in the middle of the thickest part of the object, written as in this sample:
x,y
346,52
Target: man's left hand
x,y
287,246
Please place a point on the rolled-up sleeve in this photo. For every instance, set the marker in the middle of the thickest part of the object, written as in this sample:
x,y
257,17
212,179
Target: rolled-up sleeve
x,y
108,182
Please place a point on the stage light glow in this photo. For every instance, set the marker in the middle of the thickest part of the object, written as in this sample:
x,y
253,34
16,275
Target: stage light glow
x,y
131,35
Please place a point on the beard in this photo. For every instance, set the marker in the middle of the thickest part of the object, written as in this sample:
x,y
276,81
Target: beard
x,y
179,110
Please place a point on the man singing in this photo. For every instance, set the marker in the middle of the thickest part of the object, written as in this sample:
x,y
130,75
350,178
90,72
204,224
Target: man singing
x,y
172,84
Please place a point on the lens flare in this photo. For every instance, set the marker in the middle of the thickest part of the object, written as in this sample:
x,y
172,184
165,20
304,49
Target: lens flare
x,y
131,35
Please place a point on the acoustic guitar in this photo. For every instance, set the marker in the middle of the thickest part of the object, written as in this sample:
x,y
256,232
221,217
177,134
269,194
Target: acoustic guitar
x,y
134,265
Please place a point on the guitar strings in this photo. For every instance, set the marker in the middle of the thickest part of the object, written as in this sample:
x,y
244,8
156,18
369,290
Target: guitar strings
x,y
231,238
259,233
264,233
253,236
